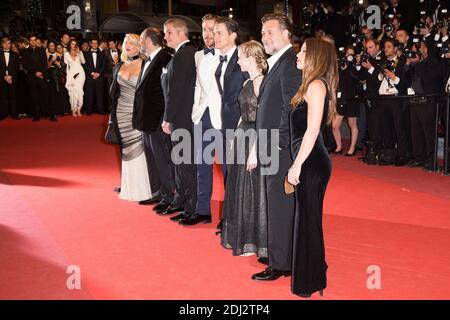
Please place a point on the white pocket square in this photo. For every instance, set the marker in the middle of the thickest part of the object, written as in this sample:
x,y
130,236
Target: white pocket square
x,y
164,70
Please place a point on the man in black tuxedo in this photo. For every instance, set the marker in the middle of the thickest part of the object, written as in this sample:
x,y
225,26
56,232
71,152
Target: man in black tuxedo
x,y
35,64
147,117
9,70
112,59
178,82
94,87
277,89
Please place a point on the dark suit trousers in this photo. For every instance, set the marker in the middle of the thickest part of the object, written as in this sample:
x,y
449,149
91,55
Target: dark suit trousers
x,y
204,170
38,90
157,150
281,212
7,99
94,91
422,113
186,180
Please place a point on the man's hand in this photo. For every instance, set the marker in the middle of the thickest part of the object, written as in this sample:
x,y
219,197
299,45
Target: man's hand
x,y
95,75
166,127
412,60
391,75
367,65
39,75
8,79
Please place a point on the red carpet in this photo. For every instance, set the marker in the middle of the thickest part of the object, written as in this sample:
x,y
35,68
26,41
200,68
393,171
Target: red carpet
x,y
58,208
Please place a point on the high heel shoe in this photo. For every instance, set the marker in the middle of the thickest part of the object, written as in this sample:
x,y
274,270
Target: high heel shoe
x,y
308,295
337,152
348,154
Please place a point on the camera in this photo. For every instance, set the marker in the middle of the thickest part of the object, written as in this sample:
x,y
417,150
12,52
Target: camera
x,y
386,64
388,28
421,25
365,57
443,49
410,54
344,60
442,24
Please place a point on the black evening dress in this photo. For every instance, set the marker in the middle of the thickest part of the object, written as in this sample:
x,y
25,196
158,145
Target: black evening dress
x,y
244,209
309,266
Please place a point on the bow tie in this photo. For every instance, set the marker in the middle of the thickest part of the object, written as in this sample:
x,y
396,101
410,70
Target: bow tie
x,y
114,50
209,50
94,51
223,58
6,51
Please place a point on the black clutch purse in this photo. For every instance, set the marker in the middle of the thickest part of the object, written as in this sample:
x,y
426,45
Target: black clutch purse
x,y
112,136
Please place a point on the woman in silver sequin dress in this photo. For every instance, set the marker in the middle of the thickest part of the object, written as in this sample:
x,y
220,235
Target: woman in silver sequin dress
x,y
135,185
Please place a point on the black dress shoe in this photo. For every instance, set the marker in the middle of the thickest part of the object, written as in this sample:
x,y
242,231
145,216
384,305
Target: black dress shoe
x,y
179,217
195,219
53,118
149,201
161,207
264,261
270,274
308,295
117,189
413,164
171,210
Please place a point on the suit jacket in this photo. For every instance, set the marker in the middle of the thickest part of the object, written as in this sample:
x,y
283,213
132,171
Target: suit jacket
x,y
276,92
233,81
206,91
13,65
178,83
34,61
110,62
100,66
149,104
372,81
429,73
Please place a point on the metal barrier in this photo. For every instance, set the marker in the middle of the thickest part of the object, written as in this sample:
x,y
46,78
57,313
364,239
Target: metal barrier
x,y
439,107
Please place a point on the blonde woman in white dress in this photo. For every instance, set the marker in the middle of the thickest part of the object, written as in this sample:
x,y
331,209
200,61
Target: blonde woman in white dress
x,y
135,185
74,60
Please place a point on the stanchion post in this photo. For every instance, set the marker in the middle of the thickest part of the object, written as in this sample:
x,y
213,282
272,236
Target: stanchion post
x,y
447,129
436,135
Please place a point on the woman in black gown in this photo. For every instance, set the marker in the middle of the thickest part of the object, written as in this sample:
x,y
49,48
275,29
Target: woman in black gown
x,y
244,210
314,106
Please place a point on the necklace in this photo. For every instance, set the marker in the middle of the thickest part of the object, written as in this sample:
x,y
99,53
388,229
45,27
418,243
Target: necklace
x,y
133,58
256,77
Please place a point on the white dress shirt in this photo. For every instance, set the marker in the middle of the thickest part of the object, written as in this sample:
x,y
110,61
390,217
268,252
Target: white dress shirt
x,y
151,56
229,54
273,59
387,87
114,54
179,46
6,54
94,57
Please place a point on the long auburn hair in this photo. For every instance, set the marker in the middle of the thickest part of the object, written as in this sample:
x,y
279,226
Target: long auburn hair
x,y
320,62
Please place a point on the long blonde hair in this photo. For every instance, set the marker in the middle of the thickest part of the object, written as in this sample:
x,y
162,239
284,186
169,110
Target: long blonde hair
x,y
320,62
133,39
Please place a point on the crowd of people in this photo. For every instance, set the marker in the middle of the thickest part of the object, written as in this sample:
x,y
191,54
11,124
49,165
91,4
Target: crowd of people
x,y
391,82
59,77
157,97
296,91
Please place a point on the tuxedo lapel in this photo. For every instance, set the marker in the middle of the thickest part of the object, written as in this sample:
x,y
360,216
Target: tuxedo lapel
x,y
3,60
152,64
231,64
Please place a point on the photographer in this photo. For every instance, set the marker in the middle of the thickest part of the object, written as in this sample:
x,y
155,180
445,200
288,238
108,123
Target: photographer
x,y
389,29
347,100
426,76
390,111
370,81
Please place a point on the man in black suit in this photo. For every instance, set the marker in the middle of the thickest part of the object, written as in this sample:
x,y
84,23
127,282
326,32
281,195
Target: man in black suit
x,y
147,117
35,64
94,87
229,79
277,89
9,70
178,82
112,59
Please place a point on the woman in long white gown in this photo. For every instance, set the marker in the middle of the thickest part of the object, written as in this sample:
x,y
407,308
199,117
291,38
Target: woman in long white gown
x,y
135,184
74,60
